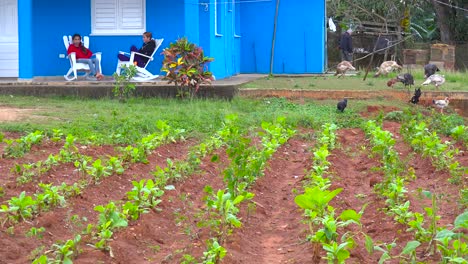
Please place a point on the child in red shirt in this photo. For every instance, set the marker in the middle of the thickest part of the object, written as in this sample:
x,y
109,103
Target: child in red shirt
x,y
83,55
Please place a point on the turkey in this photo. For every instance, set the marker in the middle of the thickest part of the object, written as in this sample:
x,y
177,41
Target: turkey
x,y
386,67
430,69
407,79
343,67
342,105
435,79
415,98
441,104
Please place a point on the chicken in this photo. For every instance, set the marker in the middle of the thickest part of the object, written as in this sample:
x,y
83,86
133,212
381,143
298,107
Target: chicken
x,y
392,82
415,98
435,79
343,67
430,69
441,104
386,67
342,105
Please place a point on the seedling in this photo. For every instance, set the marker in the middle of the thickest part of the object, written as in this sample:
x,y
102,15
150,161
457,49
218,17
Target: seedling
x,y
36,232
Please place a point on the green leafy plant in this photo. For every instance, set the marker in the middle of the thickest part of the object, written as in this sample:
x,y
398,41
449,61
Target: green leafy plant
x,y
50,196
97,170
64,253
36,232
19,208
214,253
18,147
123,88
110,218
145,194
223,210
186,66
452,243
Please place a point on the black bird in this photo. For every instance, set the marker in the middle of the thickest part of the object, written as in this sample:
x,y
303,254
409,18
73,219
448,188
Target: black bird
x,y
407,79
415,98
342,105
430,69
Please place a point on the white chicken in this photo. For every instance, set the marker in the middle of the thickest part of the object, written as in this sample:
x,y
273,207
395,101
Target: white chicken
x,y
386,67
441,104
343,67
436,79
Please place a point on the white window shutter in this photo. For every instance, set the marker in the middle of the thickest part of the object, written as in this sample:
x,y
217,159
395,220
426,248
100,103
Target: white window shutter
x,y
105,12
118,17
132,14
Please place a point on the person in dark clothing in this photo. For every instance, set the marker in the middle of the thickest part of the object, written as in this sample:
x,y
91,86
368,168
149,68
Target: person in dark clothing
x,y
346,46
148,48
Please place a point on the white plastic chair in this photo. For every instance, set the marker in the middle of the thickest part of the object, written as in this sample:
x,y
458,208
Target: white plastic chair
x,y
75,66
142,73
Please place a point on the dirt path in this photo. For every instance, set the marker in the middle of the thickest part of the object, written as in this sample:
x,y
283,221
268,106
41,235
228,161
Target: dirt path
x,y
274,232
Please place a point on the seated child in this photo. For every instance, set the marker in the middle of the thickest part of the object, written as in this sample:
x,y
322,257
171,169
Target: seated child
x,y
148,47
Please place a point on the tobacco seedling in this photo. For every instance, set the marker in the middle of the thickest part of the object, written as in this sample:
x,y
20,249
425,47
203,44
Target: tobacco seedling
x,y
223,210
51,196
214,253
452,243
64,253
19,208
98,171
17,148
145,194
110,218
36,232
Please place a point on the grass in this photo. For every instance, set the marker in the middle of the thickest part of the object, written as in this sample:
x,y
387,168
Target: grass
x,y
455,81
107,121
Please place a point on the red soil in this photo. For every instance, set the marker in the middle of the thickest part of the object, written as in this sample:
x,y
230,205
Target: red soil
x,y
271,233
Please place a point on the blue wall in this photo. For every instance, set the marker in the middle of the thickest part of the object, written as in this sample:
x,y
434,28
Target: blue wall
x,y
300,37
300,45
165,19
223,46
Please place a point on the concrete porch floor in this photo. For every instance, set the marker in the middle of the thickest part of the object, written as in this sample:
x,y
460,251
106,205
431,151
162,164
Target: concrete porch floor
x,y
109,80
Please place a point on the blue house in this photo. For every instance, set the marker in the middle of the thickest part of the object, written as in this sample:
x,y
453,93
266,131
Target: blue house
x,y
237,33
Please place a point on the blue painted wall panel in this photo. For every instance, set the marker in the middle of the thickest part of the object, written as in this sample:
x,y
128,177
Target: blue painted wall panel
x,y
300,39
25,40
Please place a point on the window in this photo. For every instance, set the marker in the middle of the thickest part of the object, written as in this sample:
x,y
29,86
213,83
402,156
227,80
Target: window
x,y
118,17
218,12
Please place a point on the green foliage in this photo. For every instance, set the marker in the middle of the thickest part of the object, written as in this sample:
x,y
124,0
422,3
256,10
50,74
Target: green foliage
x,y
145,194
50,196
429,145
186,66
35,232
223,210
97,170
452,243
215,252
18,147
19,208
110,218
64,253
123,88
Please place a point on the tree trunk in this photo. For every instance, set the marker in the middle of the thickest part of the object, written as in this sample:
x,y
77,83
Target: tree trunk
x,y
444,14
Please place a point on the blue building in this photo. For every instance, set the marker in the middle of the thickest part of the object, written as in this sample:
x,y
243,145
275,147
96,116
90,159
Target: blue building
x,y
237,33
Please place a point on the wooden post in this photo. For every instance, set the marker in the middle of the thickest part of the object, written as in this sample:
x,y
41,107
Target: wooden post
x,y
372,58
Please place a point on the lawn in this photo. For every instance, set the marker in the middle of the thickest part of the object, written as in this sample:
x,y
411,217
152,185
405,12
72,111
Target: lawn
x,y
241,181
108,121
454,82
